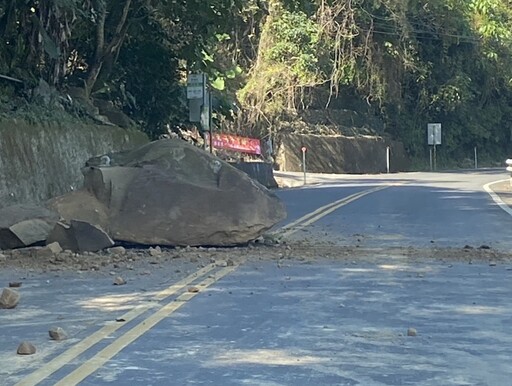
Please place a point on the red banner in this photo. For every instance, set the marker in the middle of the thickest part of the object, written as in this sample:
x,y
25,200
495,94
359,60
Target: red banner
x,y
236,143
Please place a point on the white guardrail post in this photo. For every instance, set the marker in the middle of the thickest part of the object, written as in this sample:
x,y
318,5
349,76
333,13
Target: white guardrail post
x,y
509,169
388,153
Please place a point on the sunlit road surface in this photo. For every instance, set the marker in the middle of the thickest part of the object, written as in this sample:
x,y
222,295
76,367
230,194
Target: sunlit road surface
x,y
416,209
329,323
332,323
331,320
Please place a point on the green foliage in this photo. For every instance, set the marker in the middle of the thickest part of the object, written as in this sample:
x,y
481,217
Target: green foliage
x,y
443,61
446,61
133,52
295,45
289,62
151,96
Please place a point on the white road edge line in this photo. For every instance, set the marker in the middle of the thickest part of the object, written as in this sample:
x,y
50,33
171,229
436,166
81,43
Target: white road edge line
x,y
496,198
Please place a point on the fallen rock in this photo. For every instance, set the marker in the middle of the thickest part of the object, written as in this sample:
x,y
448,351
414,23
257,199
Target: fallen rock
x,y
26,348
259,240
89,237
15,284
49,250
193,289
171,193
119,281
412,332
62,234
9,298
81,205
54,247
117,250
24,225
80,236
157,251
57,333
483,246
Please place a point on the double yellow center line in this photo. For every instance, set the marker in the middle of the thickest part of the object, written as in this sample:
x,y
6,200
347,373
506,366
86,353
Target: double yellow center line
x,y
323,211
99,359
94,363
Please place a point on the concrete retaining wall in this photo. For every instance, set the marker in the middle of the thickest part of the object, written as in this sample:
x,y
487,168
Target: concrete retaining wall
x,y
339,154
39,161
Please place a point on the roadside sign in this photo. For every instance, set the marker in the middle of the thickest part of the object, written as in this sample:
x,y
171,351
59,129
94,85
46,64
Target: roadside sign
x,y
205,112
433,139
196,84
304,149
434,134
194,110
236,143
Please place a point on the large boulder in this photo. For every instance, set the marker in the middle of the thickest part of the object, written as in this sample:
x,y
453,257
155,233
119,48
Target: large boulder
x,y
171,193
24,225
81,205
80,236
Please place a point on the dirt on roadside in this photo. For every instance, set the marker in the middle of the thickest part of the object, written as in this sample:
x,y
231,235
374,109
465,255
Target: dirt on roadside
x,y
146,260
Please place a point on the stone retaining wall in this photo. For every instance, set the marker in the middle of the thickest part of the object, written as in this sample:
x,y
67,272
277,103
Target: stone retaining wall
x,y
339,154
39,161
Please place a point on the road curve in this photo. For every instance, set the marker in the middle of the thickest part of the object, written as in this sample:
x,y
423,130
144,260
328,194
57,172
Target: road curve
x,y
298,318
415,210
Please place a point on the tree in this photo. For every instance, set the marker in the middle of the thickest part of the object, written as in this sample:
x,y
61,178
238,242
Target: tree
x,y
36,38
409,63
288,62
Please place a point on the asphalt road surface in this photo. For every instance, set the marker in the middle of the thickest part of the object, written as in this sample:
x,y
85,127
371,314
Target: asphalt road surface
x,y
414,209
339,316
